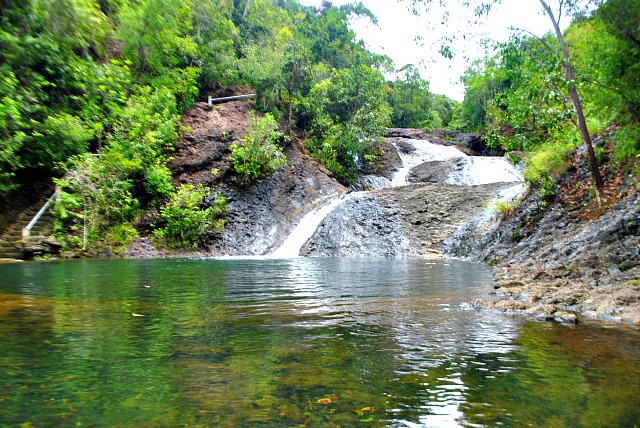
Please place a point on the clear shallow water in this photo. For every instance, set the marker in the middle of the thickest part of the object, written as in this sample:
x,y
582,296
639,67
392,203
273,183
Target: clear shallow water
x,y
298,342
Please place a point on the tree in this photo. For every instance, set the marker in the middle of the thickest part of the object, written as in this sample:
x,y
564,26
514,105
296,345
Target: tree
x,y
154,36
565,7
350,113
575,98
410,100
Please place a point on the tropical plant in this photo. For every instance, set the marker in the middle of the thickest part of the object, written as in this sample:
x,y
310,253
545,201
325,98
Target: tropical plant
x,y
258,155
187,218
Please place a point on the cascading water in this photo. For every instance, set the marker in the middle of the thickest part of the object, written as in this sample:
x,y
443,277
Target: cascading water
x,y
424,151
307,226
465,171
477,170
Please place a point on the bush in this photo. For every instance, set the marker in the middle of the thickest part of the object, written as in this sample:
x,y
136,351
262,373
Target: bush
x,y
187,221
552,158
258,155
119,236
627,146
505,208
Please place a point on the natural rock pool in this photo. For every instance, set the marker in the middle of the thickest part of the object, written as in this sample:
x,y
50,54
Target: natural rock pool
x,y
320,342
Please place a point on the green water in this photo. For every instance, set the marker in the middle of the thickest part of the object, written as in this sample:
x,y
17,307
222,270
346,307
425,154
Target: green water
x,y
292,343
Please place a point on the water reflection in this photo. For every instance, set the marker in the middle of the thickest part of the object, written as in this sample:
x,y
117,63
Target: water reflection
x,y
276,342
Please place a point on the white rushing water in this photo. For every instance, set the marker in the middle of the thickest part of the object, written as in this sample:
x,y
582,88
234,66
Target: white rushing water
x,y
477,170
307,226
424,152
466,171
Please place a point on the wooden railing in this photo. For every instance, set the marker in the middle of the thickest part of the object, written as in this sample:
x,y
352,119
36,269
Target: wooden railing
x,y
225,99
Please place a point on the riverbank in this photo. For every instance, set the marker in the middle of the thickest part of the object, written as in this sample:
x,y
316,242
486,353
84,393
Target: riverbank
x,y
556,258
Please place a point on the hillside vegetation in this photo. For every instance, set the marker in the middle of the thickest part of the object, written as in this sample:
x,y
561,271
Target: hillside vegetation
x,y
92,93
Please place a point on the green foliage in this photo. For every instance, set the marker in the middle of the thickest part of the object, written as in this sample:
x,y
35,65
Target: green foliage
x,y
627,146
101,192
46,62
258,155
118,237
154,35
411,101
551,159
217,39
187,221
504,208
350,113
521,98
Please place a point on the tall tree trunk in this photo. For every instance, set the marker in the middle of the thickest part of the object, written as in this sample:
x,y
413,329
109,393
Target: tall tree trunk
x,y
246,10
575,100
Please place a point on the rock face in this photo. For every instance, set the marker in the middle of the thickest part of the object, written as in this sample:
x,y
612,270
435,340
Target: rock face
x,y
360,227
430,213
260,215
553,258
431,172
38,246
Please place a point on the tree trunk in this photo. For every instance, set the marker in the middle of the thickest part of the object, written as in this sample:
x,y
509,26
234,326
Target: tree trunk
x,y
575,100
246,10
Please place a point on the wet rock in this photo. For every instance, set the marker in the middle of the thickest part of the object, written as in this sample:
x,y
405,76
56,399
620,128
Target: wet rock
x,y
38,246
359,227
508,284
430,213
407,133
372,182
431,172
502,305
628,265
585,265
542,312
565,317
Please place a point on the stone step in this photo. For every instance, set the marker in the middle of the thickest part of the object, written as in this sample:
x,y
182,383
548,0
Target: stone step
x,y
11,256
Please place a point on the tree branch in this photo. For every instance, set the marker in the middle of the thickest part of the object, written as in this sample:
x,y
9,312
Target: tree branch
x,y
540,39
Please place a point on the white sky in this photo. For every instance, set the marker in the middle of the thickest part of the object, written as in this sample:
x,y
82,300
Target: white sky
x,y
398,29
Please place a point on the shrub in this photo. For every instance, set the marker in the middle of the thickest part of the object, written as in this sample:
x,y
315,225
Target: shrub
x,y
627,146
187,220
551,159
258,155
119,236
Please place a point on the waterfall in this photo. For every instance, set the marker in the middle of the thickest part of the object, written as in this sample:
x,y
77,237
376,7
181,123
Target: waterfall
x,y
477,170
424,151
307,226
465,171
